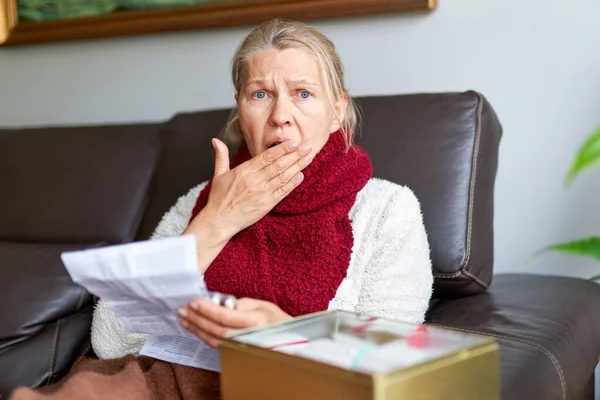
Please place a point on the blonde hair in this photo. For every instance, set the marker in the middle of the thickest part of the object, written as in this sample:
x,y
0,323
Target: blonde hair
x,y
281,34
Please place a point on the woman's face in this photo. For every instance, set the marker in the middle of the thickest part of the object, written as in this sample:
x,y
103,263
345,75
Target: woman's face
x,y
284,98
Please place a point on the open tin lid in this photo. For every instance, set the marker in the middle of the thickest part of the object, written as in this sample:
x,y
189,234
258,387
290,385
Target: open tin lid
x,y
360,343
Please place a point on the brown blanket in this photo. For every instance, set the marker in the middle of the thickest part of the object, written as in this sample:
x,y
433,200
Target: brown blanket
x,y
130,377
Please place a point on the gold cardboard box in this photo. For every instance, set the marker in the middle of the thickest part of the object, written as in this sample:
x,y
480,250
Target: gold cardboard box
x,y
340,355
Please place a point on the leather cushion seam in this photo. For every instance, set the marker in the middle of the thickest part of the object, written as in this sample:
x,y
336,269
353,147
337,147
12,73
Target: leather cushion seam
x,y
464,267
81,299
475,278
447,275
546,352
53,355
86,350
473,179
458,273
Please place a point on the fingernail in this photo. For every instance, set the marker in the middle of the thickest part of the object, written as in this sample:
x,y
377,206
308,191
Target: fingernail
x,y
292,145
195,305
184,323
183,312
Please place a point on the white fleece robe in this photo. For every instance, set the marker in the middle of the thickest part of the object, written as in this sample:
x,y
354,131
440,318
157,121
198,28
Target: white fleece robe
x,y
389,273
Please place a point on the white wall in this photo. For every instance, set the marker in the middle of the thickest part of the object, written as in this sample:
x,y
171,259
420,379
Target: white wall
x,y
537,61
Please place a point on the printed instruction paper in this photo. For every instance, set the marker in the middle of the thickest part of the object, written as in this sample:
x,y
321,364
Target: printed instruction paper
x,y
145,283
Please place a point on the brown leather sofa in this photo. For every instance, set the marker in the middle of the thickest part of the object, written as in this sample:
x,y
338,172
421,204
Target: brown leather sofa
x,y
67,188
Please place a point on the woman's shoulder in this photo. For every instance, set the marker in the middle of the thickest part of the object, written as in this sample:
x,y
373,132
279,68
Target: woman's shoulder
x,y
380,197
174,221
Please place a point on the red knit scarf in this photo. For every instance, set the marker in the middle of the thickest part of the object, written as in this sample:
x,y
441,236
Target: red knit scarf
x,y
298,254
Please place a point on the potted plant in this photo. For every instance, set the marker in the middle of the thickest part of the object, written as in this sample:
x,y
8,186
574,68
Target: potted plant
x,y
587,156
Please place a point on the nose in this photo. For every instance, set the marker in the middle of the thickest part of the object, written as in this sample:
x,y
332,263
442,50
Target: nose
x,y
281,114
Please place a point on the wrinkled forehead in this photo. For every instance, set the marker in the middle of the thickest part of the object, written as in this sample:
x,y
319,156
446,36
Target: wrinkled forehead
x,y
294,66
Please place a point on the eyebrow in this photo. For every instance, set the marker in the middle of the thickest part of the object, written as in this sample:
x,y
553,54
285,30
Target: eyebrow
x,y
296,82
305,82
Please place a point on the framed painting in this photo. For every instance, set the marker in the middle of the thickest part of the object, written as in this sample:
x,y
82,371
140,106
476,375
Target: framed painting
x,y
42,21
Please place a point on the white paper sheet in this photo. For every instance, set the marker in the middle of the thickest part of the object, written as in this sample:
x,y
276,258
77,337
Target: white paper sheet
x,y
182,350
145,283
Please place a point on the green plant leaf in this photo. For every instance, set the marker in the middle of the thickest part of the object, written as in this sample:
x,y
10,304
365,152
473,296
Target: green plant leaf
x,y
595,278
589,247
588,155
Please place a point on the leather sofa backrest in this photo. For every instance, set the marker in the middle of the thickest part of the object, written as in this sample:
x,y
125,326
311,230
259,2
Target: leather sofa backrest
x,y
80,184
445,148
187,159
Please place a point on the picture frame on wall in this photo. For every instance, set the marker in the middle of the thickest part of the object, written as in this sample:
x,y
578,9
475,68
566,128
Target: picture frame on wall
x,y
25,22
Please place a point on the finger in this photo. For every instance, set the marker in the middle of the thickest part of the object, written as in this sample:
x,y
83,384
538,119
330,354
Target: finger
x,y
248,304
221,157
285,176
269,156
285,189
199,321
205,337
286,161
225,317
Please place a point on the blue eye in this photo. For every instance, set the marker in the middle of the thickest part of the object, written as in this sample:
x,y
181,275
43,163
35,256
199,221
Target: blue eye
x,y
260,94
305,94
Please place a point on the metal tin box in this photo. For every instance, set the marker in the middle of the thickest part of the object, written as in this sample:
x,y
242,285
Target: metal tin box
x,y
340,355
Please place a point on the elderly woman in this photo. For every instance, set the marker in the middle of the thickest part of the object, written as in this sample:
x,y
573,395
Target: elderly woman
x,y
294,225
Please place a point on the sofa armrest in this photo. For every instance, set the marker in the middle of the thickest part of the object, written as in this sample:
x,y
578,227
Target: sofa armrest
x,y
548,329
